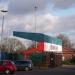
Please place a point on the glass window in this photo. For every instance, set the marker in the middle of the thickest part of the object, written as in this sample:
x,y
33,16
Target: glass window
x,y
22,62
1,62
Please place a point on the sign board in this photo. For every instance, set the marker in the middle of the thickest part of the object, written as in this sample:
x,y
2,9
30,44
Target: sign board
x,y
52,47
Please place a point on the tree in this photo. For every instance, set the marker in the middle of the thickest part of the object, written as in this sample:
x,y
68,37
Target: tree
x,y
11,45
66,42
33,44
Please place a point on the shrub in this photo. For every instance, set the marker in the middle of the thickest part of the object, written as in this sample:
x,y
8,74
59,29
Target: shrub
x,y
73,60
66,62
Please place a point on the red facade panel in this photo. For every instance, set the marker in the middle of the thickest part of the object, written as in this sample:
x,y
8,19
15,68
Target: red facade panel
x,y
40,46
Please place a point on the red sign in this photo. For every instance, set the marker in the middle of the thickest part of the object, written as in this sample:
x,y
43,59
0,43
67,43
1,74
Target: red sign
x,y
53,47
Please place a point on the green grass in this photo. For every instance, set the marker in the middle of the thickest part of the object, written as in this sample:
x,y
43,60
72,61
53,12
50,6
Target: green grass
x,y
66,63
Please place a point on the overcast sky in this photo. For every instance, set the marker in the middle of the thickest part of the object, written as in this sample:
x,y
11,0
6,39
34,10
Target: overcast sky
x,y
53,17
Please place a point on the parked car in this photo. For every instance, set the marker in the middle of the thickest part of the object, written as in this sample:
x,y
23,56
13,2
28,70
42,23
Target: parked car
x,y
24,65
7,66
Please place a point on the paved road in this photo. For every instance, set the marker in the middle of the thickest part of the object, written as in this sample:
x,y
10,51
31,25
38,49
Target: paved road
x,y
55,71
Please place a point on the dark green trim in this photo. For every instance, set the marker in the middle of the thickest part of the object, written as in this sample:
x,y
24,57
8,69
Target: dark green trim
x,y
39,37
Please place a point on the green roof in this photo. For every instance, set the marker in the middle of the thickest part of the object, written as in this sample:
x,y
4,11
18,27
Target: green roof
x,y
39,37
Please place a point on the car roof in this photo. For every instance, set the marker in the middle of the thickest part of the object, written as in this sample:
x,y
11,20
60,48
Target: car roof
x,y
5,60
22,60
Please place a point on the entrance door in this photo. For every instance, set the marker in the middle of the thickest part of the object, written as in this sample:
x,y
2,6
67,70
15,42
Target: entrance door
x,y
1,66
52,59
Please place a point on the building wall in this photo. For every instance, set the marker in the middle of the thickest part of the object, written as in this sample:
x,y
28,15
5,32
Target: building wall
x,y
67,54
53,59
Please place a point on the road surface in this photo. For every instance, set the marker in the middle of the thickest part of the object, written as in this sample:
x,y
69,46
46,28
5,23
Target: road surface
x,y
65,70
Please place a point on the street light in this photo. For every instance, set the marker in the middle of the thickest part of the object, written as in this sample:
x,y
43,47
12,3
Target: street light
x,y
35,19
3,11
35,22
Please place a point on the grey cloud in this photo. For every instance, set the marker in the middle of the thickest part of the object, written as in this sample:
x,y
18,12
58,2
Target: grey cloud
x,y
9,31
66,25
3,0
63,4
45,23
26,6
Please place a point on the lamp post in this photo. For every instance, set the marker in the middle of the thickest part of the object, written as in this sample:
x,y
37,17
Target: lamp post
x,y
35,9
3,11
35,23
35,19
